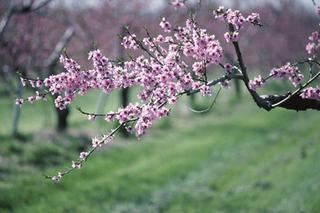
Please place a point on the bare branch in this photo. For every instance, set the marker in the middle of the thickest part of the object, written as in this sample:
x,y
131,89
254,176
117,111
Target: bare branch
x,y
259,101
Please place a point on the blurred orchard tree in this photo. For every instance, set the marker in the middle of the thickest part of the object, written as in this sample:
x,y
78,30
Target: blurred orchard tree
x,y
28,49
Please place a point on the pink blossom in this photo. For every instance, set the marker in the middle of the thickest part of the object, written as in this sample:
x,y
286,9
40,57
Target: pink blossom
x,y
256,83
311,48
205,90
83,155
91,117
110,117
314,43
231,37
311,93
32,83
228,68
165,25
96,143
129,42
23,81
19,102
31,99
57,178
199,68
39,83
254,18
233,17
76,165
288,71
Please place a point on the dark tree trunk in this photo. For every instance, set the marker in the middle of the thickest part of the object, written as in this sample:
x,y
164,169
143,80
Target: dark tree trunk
x,y
124,94
62,119
124,99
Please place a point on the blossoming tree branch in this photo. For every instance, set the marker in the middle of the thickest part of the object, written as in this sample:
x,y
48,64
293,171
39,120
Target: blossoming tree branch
x,y
163,75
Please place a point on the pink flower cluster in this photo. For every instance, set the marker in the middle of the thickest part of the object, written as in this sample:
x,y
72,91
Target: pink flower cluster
x,y
165,25
237,21
228,68
129,42
311,93
314,43
288,71
33,83
147,116
130,112
38,84
256,83
235,17
97,143
199,45
231,37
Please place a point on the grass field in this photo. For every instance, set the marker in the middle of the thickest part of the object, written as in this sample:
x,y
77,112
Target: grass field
x,y
237,158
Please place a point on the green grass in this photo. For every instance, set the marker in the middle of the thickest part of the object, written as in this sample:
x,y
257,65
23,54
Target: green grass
x,y
235,159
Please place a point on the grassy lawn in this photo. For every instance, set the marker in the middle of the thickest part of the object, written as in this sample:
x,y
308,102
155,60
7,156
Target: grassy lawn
x,y
237,158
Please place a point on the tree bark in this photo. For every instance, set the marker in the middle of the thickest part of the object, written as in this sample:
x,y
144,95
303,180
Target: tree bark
x,y
296,102
125,92
62,119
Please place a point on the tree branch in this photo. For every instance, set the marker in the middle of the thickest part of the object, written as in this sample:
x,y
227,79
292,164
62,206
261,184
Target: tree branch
x,y
262,103
295,102
64,40
291,101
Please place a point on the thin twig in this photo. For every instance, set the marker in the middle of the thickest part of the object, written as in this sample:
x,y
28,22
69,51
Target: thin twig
x,y
92,150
